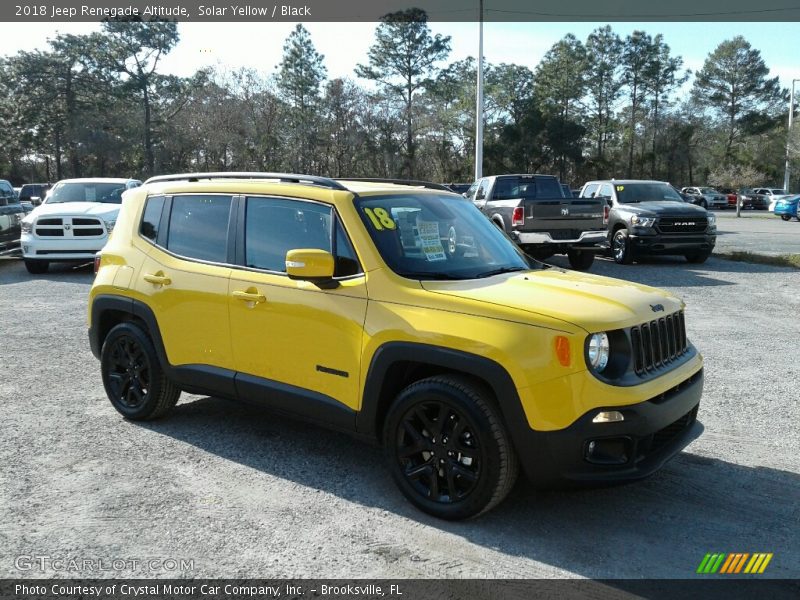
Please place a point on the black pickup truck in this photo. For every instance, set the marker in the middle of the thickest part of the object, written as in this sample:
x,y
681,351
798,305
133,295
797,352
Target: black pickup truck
x,y
11,214
651,217
534,211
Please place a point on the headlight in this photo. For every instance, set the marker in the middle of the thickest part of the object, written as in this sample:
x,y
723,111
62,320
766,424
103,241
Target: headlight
x,y
642,221
712,218
110,224
27,226
599,350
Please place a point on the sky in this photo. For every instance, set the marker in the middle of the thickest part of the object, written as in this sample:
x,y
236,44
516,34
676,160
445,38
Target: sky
x,y
229,46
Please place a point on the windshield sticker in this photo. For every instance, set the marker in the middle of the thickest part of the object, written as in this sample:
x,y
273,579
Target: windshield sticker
x,y
380,219
431,241
620,188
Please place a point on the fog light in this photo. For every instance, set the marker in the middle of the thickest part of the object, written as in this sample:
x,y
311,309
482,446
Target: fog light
x,y
611,416
608,451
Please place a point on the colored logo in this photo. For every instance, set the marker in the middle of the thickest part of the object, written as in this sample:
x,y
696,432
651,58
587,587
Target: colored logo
x,y
734,563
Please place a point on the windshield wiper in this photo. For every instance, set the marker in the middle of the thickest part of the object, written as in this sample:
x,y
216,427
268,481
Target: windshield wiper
x,y
500,271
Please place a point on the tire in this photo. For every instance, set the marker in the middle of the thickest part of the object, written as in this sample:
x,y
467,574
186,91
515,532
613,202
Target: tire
x,y
132,376
477,465
36,267
580,260
698,258
621,247
786,217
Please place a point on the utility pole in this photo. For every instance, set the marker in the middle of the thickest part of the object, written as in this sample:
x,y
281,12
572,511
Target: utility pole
x,y
479,100
787,168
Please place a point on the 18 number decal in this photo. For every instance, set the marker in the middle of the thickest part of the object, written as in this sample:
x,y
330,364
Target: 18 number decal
x,y
380,218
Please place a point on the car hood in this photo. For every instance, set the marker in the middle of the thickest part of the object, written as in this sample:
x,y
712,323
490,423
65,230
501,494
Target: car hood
x,y
96,209
591,302
667,208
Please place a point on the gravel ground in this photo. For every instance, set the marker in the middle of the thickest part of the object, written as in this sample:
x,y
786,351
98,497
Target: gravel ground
x,y
246,493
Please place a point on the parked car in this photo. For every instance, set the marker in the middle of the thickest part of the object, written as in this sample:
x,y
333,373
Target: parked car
x,y
11,215
707,197
650,217
751,199
397,313
786,207
771,196
34,192
732,194
534,211
74,223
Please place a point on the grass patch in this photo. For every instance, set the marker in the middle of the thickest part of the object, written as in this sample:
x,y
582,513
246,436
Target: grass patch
x,y
777,260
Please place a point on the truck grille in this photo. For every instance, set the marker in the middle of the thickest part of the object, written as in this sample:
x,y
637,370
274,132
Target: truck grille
x,y
658,343
69,227
682,224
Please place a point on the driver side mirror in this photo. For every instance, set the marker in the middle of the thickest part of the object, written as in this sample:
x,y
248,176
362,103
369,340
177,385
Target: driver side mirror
x,y
310,264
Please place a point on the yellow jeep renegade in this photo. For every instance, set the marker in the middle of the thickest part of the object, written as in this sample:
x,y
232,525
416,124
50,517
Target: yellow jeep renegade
x,y
397,312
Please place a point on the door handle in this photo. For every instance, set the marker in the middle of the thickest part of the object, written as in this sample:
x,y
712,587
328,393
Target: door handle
x,y
249,296
157,278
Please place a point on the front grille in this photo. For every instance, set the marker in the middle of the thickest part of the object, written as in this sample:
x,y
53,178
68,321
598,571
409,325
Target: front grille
x,y
658,343
682,224
69,227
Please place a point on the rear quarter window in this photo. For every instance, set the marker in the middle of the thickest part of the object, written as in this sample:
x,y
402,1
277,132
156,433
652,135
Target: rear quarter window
x,y
151,218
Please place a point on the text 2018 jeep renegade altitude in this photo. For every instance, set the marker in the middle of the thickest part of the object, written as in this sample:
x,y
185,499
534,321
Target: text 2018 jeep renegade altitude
x,y
399,313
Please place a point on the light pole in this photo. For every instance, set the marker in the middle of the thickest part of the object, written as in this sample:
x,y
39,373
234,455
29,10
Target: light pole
x,y
787,169
479,101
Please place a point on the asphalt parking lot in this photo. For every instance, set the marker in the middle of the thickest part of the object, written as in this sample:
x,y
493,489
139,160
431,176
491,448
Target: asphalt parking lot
x,y
244,493
756,231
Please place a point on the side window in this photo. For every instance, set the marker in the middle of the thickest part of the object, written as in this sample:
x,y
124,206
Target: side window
x,y
471,191
346,261
605,190
275,226
590,191
198,227
151,219
482,189
548,187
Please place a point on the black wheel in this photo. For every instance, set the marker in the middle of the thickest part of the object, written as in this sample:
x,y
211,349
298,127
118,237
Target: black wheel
x,y
580,260
698,258
36,267
132,375
786,217
447,448
621,247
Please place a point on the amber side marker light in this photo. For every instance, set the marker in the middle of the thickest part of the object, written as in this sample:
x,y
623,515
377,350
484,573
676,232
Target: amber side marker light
x,y
562,351
96,263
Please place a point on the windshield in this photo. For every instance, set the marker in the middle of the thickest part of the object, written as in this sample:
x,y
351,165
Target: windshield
x,y
707,190
778,192
646,192
110,193
436,236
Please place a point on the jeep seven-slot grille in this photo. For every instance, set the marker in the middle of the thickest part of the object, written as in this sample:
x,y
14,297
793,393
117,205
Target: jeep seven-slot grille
x,y
682,224
658,343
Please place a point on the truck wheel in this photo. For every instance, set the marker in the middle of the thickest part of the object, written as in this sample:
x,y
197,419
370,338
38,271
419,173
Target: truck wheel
x,y
698,258
621,247
447,448
580,260
132,375
36,267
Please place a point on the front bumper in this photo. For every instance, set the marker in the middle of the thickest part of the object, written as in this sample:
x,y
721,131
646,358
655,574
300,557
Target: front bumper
x,y
658,243
65,249
596,239
653,432
785,210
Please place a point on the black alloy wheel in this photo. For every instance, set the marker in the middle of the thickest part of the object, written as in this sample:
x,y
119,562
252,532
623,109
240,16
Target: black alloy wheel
x,y
133,378
447,447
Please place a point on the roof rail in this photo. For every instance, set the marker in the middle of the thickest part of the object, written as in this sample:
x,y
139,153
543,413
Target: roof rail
x,y
414,182
284,177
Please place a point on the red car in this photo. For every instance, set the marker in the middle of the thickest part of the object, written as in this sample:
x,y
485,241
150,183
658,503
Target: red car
x,y
732,195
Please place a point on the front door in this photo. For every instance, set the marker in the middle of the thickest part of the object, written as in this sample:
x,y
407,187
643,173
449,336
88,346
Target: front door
x,y
295,343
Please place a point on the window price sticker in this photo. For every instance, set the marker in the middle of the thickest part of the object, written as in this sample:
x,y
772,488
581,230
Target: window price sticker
x,y
430,240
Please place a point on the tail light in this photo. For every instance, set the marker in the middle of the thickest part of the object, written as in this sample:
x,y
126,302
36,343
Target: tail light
x,y
518,216
96,263
606,210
